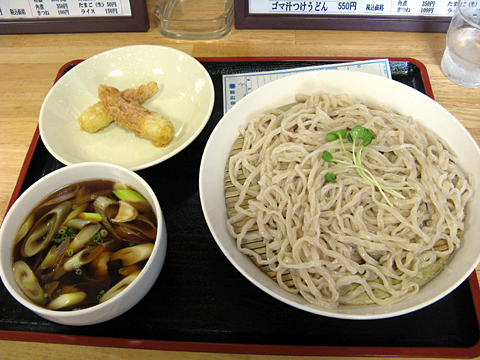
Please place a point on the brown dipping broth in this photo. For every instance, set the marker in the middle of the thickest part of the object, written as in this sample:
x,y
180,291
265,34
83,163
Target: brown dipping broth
x,y
83,278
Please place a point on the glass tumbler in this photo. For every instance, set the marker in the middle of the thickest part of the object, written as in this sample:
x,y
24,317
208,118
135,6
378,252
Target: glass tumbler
x,y
194,19
461,60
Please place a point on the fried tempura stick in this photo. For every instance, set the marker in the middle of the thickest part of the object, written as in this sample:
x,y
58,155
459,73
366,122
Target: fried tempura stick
x,y
141,93
96,117
130,115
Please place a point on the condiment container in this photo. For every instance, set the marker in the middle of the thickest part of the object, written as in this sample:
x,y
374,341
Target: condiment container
x,y
194,19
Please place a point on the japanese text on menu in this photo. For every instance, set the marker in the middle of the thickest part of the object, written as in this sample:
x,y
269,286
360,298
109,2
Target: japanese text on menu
x,y
355,7
20,9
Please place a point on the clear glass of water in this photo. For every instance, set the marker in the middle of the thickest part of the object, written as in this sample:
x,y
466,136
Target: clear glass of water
x,y
461,60
194,19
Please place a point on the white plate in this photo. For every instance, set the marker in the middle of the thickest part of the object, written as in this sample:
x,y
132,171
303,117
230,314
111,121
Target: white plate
x,y
399,97
185,95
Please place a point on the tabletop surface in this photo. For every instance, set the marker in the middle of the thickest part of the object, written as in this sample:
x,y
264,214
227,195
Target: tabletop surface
x,y
29,64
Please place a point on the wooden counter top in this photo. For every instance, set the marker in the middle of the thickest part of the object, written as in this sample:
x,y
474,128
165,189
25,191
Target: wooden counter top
x,y
29,64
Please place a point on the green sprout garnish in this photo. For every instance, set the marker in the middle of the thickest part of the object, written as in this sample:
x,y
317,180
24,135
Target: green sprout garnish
x,y
330,177
359,137
334,135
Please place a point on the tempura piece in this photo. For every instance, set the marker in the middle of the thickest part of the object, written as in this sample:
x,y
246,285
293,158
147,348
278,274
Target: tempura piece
x,y
141,93
96,117
130,115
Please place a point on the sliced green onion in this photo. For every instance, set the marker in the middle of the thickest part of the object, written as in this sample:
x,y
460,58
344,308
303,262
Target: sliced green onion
x,y
100,294
128,194
47,261
67,300
90,216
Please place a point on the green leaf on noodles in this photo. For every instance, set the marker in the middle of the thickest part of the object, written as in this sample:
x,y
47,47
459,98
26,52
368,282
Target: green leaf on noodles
x,y
359,137
330,177
338,134
327,156
358,132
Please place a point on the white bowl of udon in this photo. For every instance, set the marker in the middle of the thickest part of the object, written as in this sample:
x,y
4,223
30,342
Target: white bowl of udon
x,y
380,240
88,284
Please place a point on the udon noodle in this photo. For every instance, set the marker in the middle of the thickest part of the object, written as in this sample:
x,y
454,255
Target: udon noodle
x,y
344,242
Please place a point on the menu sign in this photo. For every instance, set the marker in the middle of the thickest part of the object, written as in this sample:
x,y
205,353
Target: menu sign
x,y
358,7
39,16
391,15
18,9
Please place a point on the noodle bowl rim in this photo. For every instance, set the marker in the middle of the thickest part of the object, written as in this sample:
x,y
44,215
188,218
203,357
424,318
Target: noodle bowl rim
x,y
398,96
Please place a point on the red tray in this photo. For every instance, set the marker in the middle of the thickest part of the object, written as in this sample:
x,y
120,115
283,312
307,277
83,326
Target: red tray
x,y
216,318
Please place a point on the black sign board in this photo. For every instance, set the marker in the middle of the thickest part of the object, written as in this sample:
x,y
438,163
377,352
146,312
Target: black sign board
x,y
72,16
